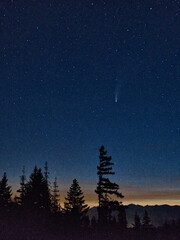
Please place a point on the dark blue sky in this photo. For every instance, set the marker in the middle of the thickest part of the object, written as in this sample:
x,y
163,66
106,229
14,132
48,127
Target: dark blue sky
x,y
61,64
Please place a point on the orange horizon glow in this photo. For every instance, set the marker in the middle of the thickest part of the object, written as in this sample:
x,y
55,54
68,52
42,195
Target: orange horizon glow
x,y
136,196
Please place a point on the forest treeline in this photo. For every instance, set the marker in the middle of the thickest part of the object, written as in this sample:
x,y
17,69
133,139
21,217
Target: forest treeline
x,y
35,212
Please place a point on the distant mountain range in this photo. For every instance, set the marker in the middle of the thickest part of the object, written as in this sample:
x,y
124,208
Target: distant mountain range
x,y
158,214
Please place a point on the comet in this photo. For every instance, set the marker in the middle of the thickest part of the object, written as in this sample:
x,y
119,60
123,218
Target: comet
x,y
116,93
116,97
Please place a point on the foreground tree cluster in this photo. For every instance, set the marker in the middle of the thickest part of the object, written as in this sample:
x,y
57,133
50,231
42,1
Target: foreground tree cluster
x,y
35,213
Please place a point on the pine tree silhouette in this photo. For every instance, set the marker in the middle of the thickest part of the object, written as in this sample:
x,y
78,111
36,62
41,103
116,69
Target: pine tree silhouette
x,y
75,210
146,222
137,221
105,188
47,185
22,189
37,194
75,202
46,173
5,194
55,197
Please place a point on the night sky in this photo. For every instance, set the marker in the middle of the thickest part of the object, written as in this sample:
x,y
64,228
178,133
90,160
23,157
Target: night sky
x,y
75,75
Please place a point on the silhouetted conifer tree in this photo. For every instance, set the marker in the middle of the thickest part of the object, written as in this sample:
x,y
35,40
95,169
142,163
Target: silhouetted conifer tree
x,y
75,200
37,195
146,222
22,190
75,205
46,173
55,197
137,222
5,194
105,188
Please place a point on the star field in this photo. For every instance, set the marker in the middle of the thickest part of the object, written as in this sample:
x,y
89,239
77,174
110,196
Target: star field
x,y
60,61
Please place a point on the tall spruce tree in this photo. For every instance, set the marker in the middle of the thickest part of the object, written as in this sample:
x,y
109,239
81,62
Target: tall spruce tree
x,y
137,222
22,189
47,182
75,210
74,202
55,197
105,188
5,194
146,222
37,194
46,173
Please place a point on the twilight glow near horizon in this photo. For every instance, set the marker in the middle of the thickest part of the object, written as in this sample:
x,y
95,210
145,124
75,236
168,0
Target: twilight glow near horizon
x,y
76,75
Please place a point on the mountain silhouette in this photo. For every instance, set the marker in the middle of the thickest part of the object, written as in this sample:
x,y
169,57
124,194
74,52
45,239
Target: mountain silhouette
x,y
158,213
